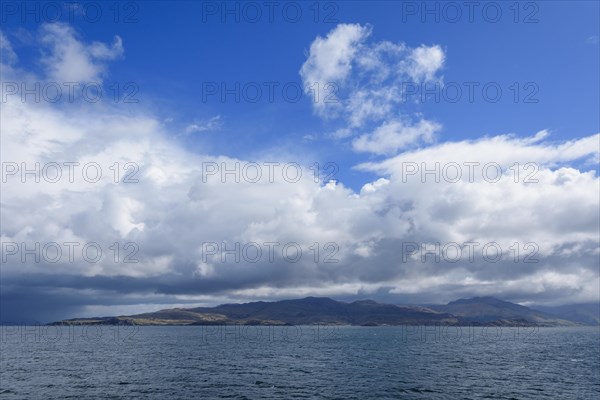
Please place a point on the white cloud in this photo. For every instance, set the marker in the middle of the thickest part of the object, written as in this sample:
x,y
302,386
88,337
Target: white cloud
x,y
425,62
330,58
172,210
203,126
373,104
368,82
557,211
68,59
8,55
395,135
502,149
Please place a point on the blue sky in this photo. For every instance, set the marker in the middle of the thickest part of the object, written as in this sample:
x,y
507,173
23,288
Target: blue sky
x,y
171,53
378,56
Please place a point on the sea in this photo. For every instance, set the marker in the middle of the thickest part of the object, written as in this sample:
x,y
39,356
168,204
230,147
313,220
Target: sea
x,y
298,362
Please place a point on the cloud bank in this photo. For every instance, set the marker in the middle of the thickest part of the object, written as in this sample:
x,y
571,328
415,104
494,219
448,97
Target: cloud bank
x,y
530,196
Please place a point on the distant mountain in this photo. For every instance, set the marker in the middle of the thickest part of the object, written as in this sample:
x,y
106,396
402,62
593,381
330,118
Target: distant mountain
x,y
489,310
325,311
588,314
307,311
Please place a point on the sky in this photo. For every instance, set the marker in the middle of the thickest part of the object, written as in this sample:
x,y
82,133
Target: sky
x,y
173,154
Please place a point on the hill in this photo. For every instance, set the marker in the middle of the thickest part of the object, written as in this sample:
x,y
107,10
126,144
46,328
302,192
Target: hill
x,y
489,310
326,311
588,313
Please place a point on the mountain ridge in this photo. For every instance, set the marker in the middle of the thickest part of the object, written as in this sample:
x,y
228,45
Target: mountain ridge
x,y
483,311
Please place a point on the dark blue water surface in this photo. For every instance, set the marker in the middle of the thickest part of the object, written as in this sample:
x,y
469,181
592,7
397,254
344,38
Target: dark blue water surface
x,y
39,362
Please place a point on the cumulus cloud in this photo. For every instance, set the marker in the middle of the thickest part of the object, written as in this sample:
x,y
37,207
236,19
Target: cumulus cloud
x,y
330,58
173,207
394,135
424,62
360,84
68,59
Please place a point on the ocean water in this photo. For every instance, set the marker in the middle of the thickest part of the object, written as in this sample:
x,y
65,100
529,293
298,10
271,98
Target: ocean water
x,y
309,362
